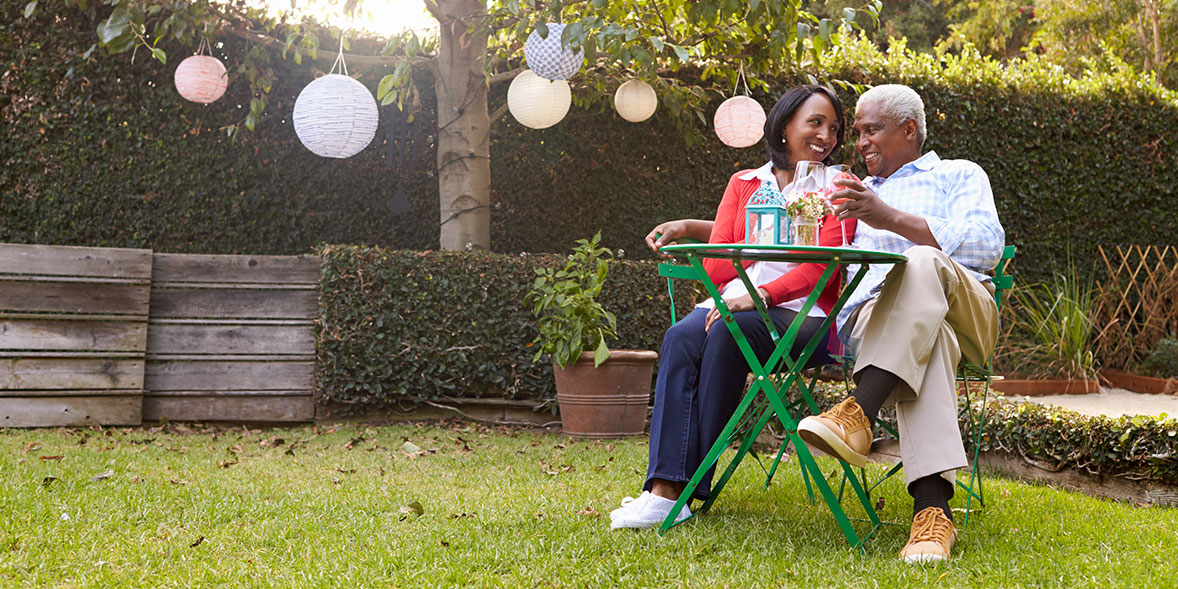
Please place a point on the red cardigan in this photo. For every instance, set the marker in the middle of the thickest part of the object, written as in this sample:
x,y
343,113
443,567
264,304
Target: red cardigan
x,y
797,283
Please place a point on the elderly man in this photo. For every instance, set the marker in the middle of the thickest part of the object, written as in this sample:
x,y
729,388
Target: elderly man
x,y
911,324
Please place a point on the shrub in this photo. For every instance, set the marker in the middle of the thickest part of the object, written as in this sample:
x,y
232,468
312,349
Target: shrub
x,y
1053,333
402,327
1163,360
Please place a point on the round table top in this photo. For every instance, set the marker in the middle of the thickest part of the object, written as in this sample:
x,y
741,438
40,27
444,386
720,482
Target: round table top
x,y
783,253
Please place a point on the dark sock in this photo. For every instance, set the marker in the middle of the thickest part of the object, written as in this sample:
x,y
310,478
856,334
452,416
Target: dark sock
x,y
931,491
875,386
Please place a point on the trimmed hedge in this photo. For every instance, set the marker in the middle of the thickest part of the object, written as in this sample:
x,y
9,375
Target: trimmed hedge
x,y
103,152
397,326
1129,447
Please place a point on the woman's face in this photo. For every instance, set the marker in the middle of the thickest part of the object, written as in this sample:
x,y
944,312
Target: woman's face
x,y
812,132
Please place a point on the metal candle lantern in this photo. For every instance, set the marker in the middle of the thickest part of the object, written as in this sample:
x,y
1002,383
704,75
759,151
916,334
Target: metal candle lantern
x,y
766,217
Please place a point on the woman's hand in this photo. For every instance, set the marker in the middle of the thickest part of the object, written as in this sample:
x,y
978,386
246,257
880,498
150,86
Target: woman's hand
x,y
673,231
741,303
666,233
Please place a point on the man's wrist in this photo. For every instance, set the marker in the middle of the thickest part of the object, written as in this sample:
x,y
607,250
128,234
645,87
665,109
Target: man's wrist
x,y
765,297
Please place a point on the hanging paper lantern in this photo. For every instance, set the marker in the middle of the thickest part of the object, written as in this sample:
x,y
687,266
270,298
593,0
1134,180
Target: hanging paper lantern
x,y
201,78
635,101
739,122
536,102
335,116
548,59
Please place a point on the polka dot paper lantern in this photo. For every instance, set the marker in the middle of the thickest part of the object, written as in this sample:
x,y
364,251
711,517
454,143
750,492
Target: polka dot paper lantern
x,y
635,101
335,116
548,59
739,122
536,102
201,78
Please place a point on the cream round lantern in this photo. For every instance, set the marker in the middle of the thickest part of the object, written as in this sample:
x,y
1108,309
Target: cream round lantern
x,y
739,122
201,78
548,59
335,116
635,101
536,102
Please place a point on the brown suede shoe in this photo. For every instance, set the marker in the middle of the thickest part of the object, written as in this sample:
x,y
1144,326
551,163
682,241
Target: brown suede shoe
x,y
842,432
931,538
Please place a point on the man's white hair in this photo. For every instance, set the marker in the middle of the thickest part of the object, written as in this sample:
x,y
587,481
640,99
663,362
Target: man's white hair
x,y
898,103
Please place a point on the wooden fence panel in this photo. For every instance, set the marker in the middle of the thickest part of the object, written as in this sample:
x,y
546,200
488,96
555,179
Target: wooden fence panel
x,y
73,334
1138,305
231,338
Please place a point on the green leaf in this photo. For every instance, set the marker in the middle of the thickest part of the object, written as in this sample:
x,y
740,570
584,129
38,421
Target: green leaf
x,y
601,354
116,26
385,86
681,53
159,55
657,43
30,8
542,29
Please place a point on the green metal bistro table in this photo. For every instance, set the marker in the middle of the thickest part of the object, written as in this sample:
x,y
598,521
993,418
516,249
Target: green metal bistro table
x,y
780,372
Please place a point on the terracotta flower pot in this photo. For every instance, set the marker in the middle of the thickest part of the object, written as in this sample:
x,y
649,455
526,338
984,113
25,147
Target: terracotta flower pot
x,y
1140,384
608,401
1043,387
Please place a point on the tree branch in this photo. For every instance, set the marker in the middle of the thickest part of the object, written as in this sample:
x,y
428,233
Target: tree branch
x,y
498,114
505,76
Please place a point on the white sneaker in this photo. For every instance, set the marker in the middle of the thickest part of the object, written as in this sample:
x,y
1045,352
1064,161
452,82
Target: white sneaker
x,y
647,511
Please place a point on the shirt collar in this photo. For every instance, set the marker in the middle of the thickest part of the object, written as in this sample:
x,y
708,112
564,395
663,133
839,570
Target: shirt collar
x,y
923,163
762,173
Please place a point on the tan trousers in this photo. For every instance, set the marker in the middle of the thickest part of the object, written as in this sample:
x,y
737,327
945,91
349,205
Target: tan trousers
x,y
930,312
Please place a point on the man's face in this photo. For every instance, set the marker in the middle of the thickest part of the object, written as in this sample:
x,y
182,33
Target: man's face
x,y
883,144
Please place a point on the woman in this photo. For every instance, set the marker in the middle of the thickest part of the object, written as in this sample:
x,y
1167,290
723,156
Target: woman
x,y
701,371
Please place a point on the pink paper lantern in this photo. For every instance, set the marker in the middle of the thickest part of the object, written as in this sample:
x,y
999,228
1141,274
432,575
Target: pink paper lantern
x,y
739,122
201,78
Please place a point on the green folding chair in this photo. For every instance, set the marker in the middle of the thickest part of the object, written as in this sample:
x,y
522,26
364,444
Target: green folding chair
x,y
975,417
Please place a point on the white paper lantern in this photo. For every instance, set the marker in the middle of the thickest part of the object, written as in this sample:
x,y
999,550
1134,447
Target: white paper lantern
x,y
335,116
201,78
739,122
635,101
548,59
536,102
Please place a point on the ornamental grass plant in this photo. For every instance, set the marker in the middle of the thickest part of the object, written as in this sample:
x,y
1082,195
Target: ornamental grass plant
x,y
1054,331
457,504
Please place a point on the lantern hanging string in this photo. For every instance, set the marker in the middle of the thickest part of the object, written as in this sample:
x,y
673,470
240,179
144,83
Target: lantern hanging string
x,y
740,77
339,59
203,48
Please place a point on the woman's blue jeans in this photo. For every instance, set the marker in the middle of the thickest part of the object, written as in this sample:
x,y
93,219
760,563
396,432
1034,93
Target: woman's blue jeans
x,y
701,381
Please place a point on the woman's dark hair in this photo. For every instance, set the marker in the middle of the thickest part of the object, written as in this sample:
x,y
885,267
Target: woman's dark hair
x,y
780,116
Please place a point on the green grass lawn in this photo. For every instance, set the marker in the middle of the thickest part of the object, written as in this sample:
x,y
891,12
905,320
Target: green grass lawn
x,y
308,506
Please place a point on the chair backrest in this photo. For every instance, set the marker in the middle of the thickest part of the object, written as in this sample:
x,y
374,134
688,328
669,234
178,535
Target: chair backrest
x,y
1003,281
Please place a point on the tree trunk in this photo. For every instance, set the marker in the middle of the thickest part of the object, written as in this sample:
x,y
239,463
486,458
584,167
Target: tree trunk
x,y
464,166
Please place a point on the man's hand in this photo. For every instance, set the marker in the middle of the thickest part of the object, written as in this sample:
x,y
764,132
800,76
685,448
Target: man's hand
x,y
741,303
860,202
857,201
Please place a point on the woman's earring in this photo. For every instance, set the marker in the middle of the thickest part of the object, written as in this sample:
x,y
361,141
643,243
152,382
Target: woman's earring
x,y
783,139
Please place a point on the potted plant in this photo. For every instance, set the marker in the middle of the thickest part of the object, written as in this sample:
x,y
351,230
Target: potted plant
x,y
601,393
1053,341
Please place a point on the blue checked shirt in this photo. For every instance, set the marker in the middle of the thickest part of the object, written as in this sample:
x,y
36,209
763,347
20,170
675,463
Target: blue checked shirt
x,y
954,197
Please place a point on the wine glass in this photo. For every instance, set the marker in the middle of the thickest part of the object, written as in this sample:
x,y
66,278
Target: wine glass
x,y
834,172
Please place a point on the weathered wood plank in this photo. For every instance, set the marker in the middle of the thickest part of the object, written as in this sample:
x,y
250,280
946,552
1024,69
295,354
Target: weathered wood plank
x,y
70,411
221,268
232,357
230,339
229,408
65,297
72,393
115,336
57,260
70,373
228,376
236,304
